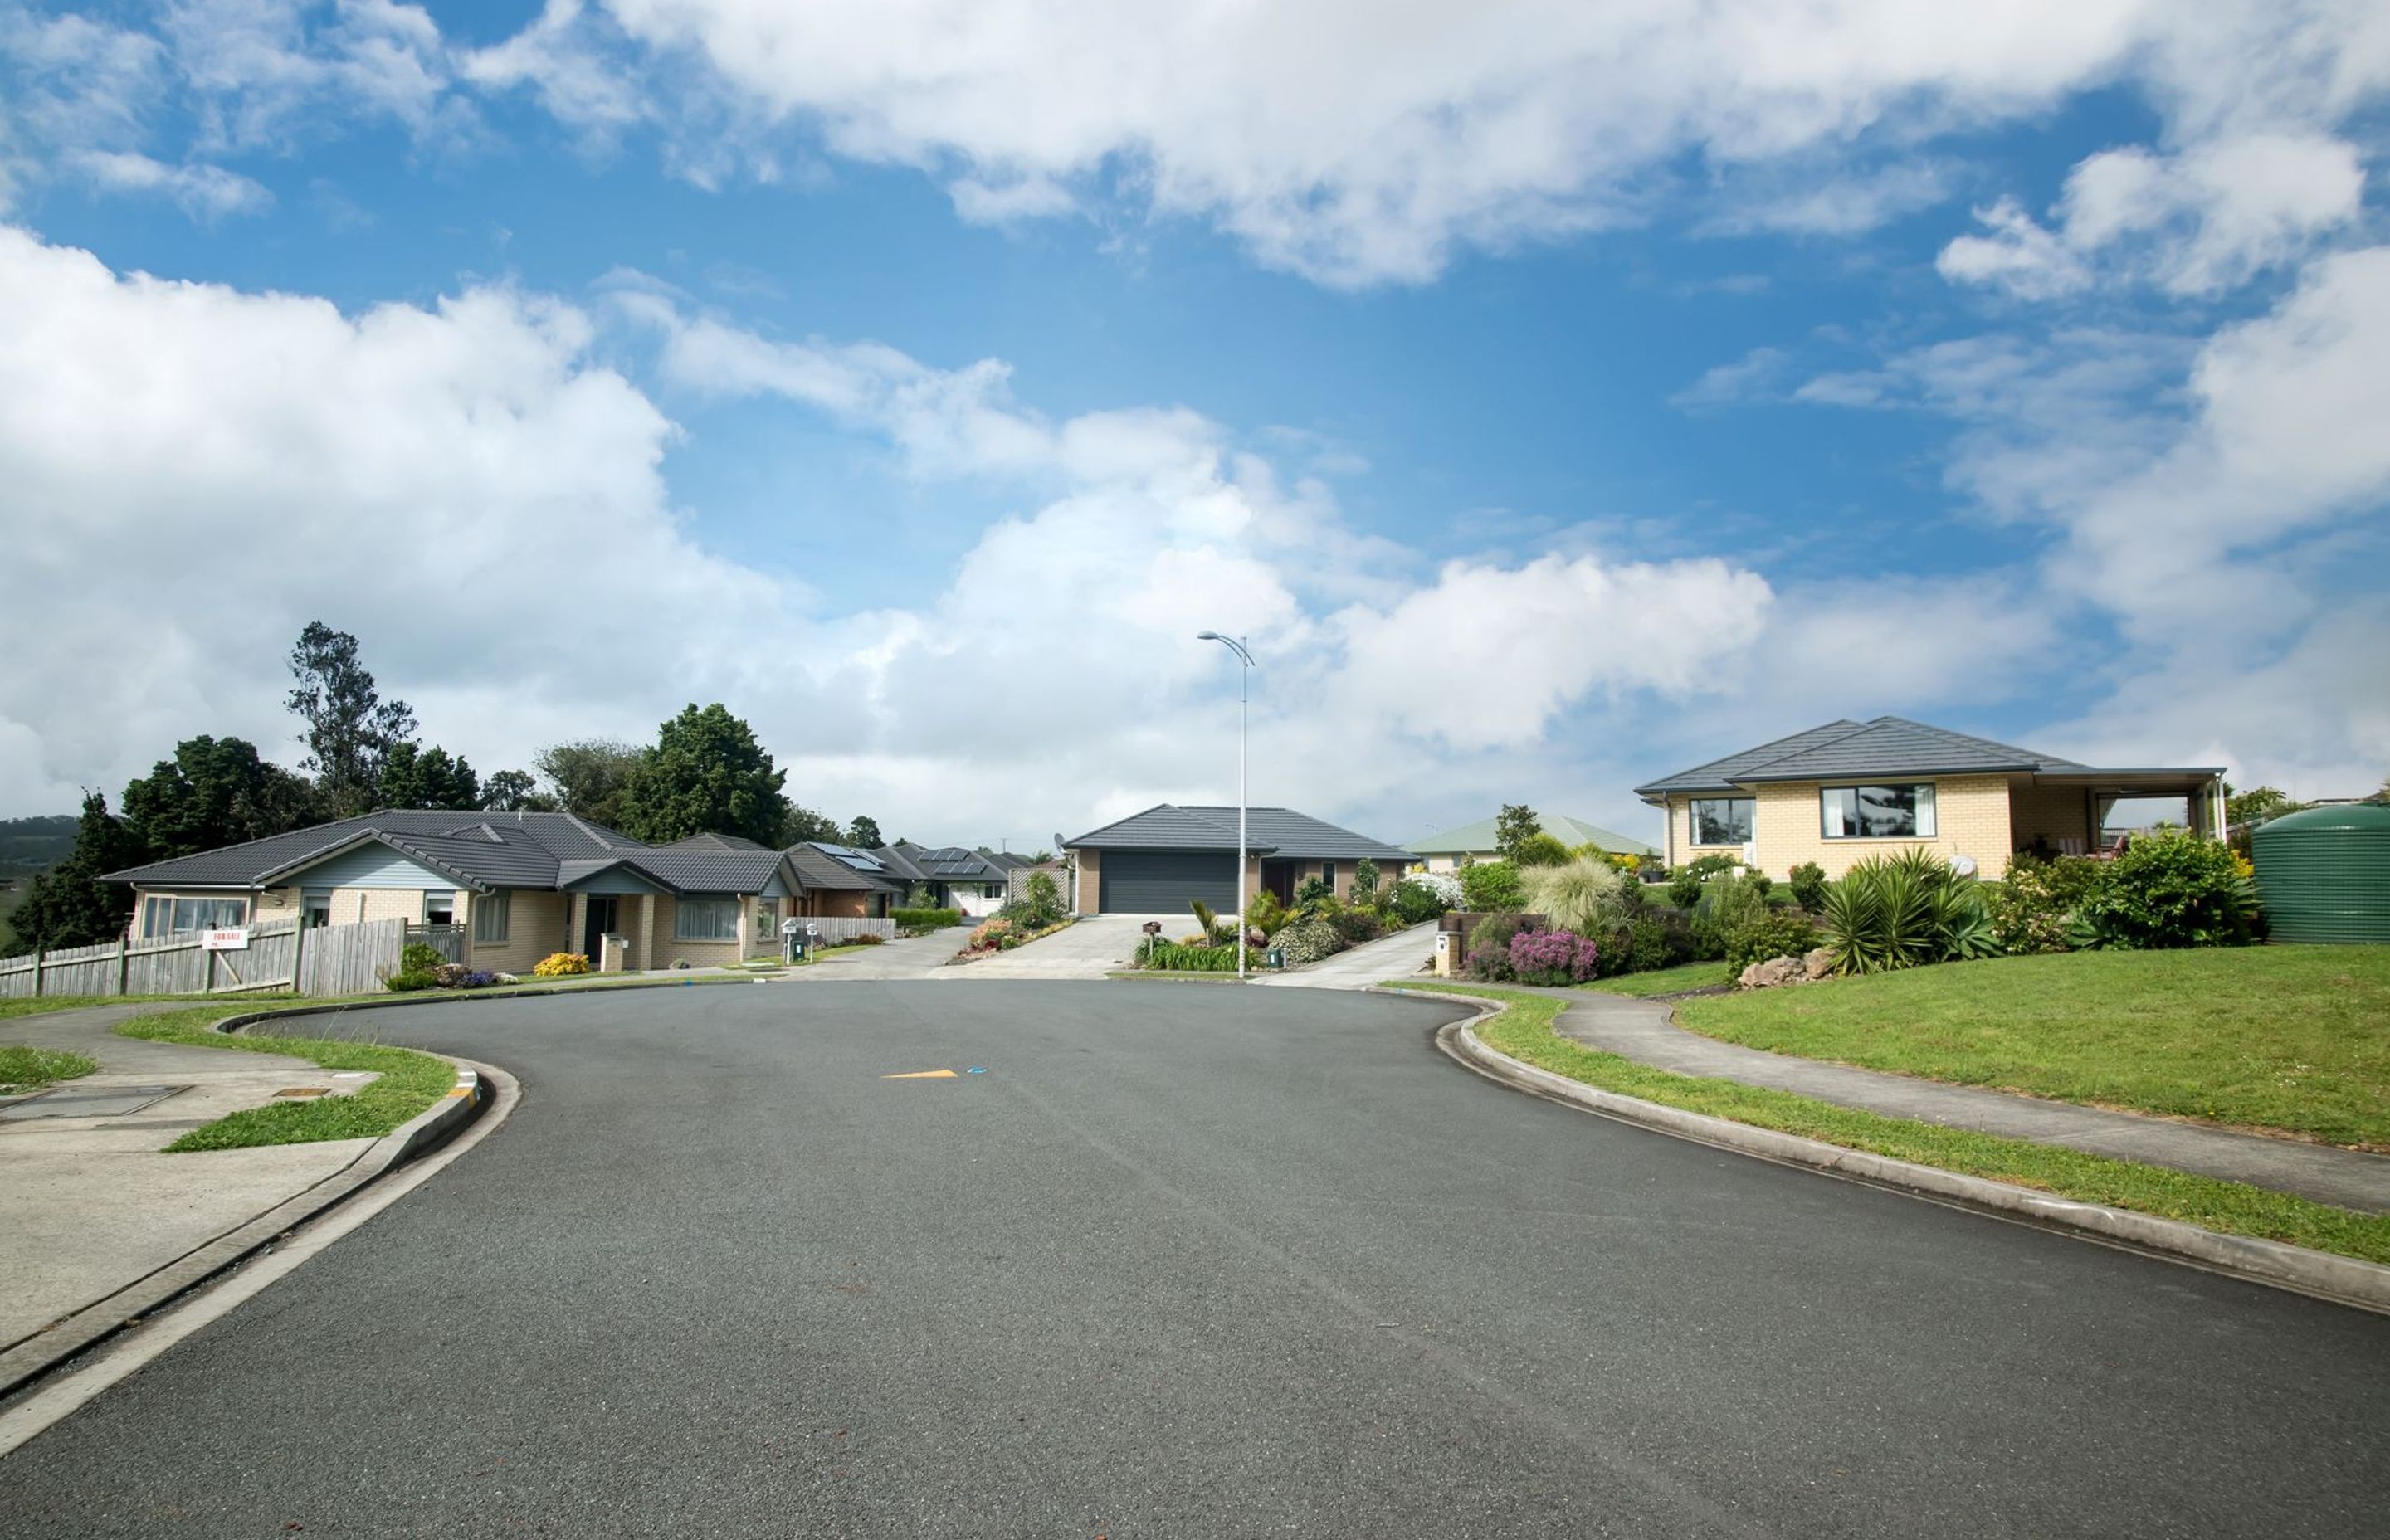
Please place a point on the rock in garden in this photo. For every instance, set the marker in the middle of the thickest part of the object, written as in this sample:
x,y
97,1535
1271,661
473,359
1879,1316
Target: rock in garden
x,y
1818,962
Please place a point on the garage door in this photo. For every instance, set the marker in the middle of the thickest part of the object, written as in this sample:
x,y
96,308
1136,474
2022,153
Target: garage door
x,y
1163,881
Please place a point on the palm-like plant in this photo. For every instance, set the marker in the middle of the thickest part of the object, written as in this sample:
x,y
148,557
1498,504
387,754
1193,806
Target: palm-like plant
x,y
1898,911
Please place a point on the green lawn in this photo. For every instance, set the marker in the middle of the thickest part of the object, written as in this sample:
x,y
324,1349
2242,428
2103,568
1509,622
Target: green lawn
x,y
2295,1039
1663,981
1524,1032
410,1082
30,1069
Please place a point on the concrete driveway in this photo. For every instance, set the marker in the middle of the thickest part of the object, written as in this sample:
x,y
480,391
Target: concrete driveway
x,y
1182,1262
1399,955
907,957
1089,949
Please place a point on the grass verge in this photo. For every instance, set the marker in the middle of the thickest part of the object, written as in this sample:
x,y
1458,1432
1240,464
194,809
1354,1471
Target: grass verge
x,y
1663,981
1524,1030
2283,1039
28,1006
30,1069
410,1082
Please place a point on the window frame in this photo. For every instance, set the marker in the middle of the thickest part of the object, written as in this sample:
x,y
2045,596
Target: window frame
x,y
177,902
709,904
448,898
1925,816
500,903
1693,823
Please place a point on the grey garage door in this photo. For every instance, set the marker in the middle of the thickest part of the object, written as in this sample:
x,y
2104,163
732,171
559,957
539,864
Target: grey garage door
x,y
1163,881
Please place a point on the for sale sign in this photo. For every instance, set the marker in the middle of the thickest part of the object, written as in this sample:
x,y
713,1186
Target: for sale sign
x,y
223,940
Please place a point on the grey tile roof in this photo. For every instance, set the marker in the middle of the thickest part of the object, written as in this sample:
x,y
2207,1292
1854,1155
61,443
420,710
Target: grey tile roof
x,y
1887,746
1278,831
899,861
1298,836
715,841
819,866
500,850
709,871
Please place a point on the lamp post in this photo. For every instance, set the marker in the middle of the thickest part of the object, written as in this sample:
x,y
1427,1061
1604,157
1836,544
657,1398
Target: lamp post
x,y
1244,695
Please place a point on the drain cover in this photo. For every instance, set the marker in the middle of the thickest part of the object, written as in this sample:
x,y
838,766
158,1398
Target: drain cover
x,y
87,1101
304,1091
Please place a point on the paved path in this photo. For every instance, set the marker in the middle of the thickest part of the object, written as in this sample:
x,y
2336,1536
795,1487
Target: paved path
x,y
89,1205
1642,1030
1183,1262
1089,949
905,957
1399,955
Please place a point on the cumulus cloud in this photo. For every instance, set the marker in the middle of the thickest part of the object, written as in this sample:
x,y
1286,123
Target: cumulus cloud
x,y
470,490
205,192
2194,224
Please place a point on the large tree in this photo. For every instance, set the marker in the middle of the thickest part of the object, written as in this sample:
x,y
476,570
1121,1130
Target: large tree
x,y
429,777
590,776
68,906
1514,826
706,775
215,792
864,834
802,823
351,730
515,791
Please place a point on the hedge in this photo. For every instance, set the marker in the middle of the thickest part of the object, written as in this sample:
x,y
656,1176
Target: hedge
x,y
925,919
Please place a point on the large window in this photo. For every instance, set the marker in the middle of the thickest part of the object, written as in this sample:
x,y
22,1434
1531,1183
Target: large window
x,y
1877,812
492,913
1723,820
315,908
706,919
161,916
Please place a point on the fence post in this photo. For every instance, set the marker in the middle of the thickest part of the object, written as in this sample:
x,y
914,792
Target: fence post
x,y
124,964
299,954
208,979
37,972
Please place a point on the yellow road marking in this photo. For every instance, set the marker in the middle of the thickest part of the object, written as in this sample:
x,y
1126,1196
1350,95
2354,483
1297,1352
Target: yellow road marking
x,y
923,1075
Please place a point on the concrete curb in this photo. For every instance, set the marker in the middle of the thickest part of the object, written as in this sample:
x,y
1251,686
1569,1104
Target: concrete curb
x,y
45,1351
2344,1280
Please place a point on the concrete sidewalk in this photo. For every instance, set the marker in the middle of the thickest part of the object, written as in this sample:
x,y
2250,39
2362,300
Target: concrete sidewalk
x,y
1645,1031
91,1204
1400,955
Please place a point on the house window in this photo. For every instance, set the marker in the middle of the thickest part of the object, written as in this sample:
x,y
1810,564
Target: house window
x,y
439,907
1328,874
1723,820
706,919
161,916
492,913
1877,812
315,908
991,890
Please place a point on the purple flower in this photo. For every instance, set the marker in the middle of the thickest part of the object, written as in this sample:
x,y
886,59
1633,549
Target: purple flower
x,y
1552,957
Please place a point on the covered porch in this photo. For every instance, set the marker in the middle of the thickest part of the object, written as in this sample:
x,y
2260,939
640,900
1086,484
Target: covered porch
x,y
2055,812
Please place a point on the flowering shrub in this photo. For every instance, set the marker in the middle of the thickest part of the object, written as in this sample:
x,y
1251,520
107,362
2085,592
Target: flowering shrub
x,y
994,936
1446,886
457,976
560,965
1308,940
1489,946
1552,957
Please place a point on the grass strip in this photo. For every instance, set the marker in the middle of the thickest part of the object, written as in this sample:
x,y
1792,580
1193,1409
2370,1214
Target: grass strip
x,y
410,1082
30,1069
1525,1031
1663,981
2291,1039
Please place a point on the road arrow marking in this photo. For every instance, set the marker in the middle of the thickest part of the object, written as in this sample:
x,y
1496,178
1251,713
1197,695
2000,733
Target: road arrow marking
x,y
923,1075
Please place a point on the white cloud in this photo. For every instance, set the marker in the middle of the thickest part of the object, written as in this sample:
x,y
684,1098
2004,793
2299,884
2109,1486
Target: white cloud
x,y
1357,147
476,497
205,192
1753,377
2194,224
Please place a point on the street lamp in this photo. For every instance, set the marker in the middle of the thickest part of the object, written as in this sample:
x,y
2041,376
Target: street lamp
x,y
1244,695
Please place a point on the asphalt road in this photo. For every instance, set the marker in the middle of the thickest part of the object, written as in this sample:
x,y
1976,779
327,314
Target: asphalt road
x,y
1186,1259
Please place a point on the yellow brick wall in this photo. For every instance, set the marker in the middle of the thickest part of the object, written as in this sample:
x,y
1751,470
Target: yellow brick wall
x,y
353,905
534,928
2055,812
667,951
275,904
1971,818
1090,898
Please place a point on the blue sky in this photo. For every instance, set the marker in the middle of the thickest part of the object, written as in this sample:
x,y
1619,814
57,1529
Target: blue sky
x,y
1560,399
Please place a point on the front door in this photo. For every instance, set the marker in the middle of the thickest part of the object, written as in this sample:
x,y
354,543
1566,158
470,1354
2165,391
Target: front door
x,y
1277,877
601,920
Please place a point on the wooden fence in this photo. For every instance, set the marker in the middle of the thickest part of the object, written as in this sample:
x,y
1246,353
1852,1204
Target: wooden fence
x,y
329,960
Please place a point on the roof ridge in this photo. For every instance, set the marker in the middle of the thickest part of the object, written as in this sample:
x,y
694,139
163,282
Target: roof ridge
x,y
1856,728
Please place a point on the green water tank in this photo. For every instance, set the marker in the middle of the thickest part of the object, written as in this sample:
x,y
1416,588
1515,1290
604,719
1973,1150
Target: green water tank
x,y
2325,873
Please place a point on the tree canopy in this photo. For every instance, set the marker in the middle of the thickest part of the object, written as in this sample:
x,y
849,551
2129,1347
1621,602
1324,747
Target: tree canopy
x,y
351,730
215,792
429,777
590,775
864,834
1512,828
68,906
707,775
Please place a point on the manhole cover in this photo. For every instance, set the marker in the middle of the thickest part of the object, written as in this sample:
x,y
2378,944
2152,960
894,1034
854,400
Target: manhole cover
x,y
87,1101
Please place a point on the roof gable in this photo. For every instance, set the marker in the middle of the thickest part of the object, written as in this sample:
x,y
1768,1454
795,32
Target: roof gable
x,y
1886,746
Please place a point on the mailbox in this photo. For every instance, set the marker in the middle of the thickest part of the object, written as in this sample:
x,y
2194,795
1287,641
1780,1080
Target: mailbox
x,y
796,938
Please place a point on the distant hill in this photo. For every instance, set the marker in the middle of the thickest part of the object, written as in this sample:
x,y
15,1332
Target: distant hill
x,y
28,845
